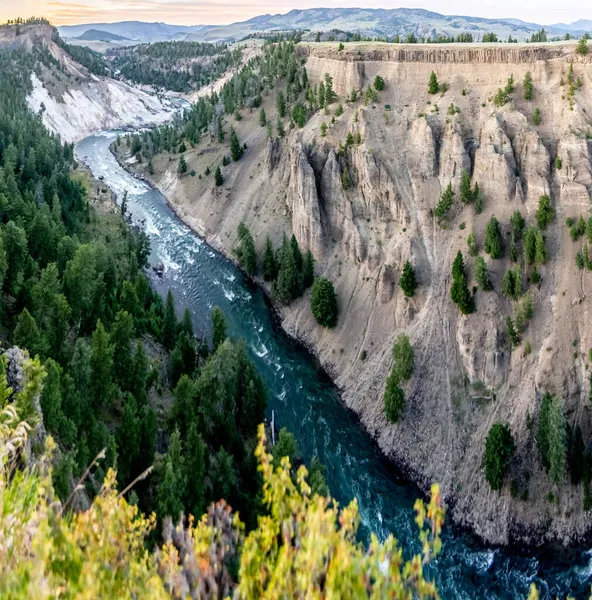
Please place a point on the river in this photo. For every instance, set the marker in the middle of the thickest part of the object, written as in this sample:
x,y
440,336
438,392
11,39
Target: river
x,y
306,402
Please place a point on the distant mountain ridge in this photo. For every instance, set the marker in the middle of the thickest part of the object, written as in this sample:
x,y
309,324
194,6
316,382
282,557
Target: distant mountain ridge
x,y
96,35
370,22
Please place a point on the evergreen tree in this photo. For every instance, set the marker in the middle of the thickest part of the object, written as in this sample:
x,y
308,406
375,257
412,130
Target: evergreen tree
x,y
171,489
528,87
433,86
101,368
296,250
218,328
287,285
121,337
512,334
236,150
281,104
269,264
182,166
245,250
139,375
545,212
308,270
482,274
466,193
499,449
195,472
218,178
552,437
459,291
493,239
280,128
128,439
324,302
407,281
169,325
27,334
262,118
378,83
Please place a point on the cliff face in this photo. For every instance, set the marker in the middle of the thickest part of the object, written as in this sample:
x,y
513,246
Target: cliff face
x,y
467,376
74,102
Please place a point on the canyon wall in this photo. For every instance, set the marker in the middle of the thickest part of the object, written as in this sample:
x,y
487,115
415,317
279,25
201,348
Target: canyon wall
x,y
467,375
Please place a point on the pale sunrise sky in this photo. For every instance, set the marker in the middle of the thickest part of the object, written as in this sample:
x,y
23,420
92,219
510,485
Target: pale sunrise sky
x,y
193,12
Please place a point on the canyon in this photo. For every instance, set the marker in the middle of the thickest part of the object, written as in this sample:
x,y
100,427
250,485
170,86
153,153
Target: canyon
x,y
413,144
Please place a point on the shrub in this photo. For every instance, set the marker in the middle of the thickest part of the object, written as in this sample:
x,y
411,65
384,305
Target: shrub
x,y
499,449
394,399
536,118
324,302
472,244
378,83
552,437
403,358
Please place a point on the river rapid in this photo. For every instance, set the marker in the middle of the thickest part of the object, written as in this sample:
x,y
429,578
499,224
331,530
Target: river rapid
x,y
305,401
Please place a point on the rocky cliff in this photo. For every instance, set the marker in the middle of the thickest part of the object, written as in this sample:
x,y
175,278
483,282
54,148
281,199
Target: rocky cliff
x,y
74,102
467,374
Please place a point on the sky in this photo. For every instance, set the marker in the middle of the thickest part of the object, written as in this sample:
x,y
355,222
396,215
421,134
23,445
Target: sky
x,y
197,12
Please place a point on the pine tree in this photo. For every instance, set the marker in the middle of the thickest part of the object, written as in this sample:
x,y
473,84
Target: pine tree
x,y
281,104
296,250
433,86
545,212
287,285
27,334
528,87
262,118
218,328
101,365
171,489
236,150
182,167
122,333
280,128
493,239
269,264
459,292
139,376
323,302
195,471
308,270
482,274
407,282
512,334
169,325
466,193
218,178
245,250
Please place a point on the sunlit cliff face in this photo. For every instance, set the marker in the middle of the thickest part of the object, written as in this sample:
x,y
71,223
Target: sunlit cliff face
x,y
192,12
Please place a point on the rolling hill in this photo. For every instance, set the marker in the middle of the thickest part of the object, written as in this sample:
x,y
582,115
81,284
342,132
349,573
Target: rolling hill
x,y
371,22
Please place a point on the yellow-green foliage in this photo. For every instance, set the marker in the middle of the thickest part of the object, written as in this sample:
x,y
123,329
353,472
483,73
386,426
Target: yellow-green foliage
x,y
305,547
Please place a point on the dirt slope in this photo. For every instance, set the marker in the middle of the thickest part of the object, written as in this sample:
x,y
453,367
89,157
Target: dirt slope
x,y
467,376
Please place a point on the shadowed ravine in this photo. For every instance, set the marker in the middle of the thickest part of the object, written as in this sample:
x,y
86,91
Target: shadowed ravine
x,y
306,402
